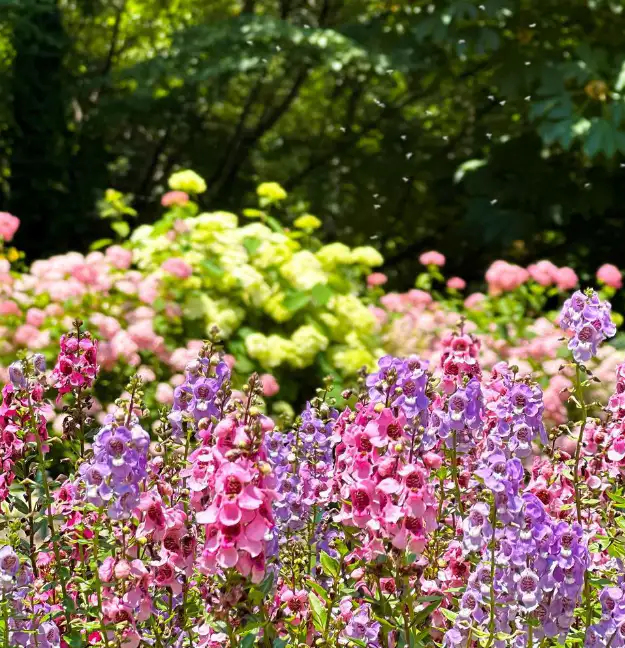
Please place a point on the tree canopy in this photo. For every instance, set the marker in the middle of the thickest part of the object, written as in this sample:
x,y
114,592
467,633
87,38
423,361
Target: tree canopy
x,y
482,128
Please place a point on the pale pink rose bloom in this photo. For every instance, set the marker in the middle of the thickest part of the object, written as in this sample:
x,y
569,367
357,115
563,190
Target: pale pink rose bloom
x,y
610,275
566,279
432,258
9,224
376,279
456,283
543,272
270,385
177,267
473,301
164,394
9,307
119,257
174,198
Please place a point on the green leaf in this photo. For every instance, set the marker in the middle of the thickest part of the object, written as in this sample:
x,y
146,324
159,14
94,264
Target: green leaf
x,y
319,612
121,228
249,639
211,268
600,139
321,294
423,614
331,566
251,244
100,243
295,301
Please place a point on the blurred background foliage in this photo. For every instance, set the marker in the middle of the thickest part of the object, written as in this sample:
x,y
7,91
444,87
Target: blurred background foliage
x,y
483,128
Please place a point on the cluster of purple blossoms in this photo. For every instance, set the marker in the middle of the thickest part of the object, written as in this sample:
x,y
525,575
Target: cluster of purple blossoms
x,y
588,319
462,417
515,411
538,565
402,383
303,465
610,631
120,457
29,624
362,628
201,395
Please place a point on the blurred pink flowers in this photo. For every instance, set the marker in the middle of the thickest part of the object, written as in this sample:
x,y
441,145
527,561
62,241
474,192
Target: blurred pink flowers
x,y
432,258
9,224
610,275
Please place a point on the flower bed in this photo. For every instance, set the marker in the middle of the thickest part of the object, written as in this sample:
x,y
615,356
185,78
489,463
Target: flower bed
x,y
433,508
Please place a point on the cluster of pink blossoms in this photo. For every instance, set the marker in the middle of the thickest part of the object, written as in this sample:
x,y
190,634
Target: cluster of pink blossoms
x,y
77,364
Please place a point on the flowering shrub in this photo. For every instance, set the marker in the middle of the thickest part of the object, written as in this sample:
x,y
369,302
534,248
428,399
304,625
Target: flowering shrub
x,y
434,508
285,304
514,323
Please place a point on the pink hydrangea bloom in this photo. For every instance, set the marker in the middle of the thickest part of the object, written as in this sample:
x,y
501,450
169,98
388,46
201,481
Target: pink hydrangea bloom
x,y
456,283
174,198
432,258
503,277
610,275
473,301
566,279
119,257
376,279
270,385
543,272
177,267
9,224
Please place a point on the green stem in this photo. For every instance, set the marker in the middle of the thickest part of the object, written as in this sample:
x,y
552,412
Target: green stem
x,y
454,471
530,636
5,619
491,623
98,583
579,392
50,517
157,634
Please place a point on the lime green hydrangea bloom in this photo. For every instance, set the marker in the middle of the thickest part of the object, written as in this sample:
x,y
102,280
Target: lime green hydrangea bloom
x,y
304,271
367,256
272,191
308,341
334,254
188,181
307,222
